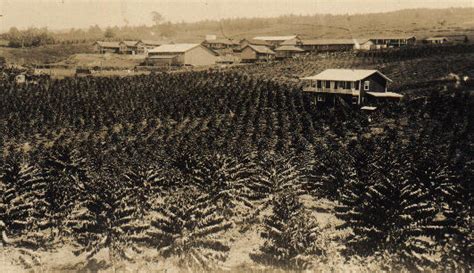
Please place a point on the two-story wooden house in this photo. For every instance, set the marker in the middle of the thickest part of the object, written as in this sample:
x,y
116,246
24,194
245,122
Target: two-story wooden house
x,y
355,86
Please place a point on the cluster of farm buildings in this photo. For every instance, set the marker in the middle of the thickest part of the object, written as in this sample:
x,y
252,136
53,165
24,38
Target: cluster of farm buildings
x,y
263,48
354,87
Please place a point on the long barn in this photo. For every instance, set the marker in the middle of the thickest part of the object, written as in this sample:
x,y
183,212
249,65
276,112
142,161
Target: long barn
x,y
181,54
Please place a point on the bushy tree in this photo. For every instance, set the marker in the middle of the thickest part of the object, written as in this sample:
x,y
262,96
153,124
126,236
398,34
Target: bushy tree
x,y
187,226
291,236
106,218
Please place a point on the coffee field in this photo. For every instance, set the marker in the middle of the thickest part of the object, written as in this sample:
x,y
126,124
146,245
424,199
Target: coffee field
x,y
238,170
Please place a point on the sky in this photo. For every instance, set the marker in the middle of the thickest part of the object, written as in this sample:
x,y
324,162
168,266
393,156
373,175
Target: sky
x,y
65,14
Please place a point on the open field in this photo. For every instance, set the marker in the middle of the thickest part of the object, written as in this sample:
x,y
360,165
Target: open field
x,y
43,54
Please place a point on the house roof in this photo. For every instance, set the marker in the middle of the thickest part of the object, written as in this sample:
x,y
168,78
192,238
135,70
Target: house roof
x,y
129,43
385,94
436,38
173,48
261,49
162,57
328,42
293,41
274,38
108,44
344,75
289,48
395,37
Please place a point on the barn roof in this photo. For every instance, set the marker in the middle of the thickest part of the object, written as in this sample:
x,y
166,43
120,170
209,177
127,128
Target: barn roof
x,y
274,38
289,48
108,44
394,37
129,43
173,48
161,57
328,42
293,41
345,75
261,49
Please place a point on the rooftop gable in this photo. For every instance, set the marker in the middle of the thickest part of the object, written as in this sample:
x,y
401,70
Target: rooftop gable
x,y
173,48
289,48
260,49
345,75
328,42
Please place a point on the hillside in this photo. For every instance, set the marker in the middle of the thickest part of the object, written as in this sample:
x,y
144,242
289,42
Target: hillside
x,y
419,22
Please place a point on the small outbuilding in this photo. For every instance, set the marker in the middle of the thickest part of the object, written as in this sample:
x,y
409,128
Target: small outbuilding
x,y
181,55
255,53
327,45
129,47
288,51
219,44
106,47
275,41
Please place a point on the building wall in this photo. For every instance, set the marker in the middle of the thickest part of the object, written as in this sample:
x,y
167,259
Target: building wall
x,y
377,83
248,54
199,56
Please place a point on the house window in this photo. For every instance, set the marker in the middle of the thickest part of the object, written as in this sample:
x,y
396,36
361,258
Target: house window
x,y
347,85
366,85
321,98
340,85
355,100
328,84
318,84
357,85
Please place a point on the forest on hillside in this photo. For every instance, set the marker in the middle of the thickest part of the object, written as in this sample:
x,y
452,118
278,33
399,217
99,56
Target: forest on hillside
x,y
164,167
419,22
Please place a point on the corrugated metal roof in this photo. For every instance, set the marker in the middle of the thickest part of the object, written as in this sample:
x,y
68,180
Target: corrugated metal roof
x,y
328,42
173,48
385,94
344,75
395,37
261,49
129,43
162,57
289,48
274,38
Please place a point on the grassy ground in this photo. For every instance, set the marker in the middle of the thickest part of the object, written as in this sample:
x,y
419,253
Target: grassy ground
x,y
43,54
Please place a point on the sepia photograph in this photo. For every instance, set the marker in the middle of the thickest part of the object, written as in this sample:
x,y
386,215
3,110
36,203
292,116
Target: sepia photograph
x,y
239,136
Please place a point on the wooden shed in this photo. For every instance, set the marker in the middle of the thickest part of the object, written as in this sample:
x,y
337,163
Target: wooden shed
x,y
288,51
183,54
106,47
255,53
325,45
129,47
